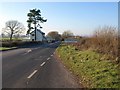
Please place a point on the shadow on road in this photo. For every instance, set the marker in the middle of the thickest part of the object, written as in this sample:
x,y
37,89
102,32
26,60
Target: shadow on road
x,y
43,45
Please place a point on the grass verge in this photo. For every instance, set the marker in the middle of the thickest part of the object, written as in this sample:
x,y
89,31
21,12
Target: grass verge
x,y
6,48
93,69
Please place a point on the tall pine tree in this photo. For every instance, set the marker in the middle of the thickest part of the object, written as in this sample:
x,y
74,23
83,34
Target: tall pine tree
x,y
35,18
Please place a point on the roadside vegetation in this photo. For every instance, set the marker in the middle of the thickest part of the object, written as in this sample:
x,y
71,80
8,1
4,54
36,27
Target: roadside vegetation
x,y
104,40
94,60
6,48
18,43
7,39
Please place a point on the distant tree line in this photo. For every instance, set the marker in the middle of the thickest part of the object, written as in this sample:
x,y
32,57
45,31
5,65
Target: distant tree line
x,y
66,34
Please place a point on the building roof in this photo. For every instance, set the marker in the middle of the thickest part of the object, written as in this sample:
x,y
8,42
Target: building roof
x,y
38,31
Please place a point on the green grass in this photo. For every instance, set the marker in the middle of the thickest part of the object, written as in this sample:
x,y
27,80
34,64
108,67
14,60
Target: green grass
x,y
8,39
6,48
93,69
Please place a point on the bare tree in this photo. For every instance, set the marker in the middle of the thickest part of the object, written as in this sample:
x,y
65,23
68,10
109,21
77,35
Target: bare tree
x,y
67,34
13,27
55,35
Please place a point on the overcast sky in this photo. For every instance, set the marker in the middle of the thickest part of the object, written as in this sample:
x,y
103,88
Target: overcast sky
x,y
80,17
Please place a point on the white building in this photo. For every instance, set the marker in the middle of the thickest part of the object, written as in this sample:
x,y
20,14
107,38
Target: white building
x,y
40,36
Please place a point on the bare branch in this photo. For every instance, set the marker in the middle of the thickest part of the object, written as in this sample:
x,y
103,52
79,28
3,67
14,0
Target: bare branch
x,y
13,27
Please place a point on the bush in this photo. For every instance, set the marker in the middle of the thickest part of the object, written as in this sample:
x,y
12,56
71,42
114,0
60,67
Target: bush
x,y
104,40
18,43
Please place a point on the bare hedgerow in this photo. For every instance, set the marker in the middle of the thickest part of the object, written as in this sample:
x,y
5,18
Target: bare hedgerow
x,y
105,40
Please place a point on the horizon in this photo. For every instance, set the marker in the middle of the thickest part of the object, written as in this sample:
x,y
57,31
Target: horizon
x,y
81,18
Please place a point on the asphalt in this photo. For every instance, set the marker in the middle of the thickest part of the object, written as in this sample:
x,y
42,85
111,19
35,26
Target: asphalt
x,y
35,67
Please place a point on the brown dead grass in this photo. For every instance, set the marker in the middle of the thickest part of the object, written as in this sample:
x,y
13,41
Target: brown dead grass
x,y
104,40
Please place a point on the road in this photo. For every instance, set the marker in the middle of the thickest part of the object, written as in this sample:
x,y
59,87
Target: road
x,y
35,67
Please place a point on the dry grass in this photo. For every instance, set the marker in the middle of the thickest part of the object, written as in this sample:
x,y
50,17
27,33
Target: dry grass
x,y
104,40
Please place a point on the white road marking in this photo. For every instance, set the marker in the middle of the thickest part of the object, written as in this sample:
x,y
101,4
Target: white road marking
x,y
51,55
42,64
29,50
48,58
32,74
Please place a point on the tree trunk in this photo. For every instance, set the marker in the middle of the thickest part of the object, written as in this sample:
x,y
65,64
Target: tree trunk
x,y
11,35
35,32
35,29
